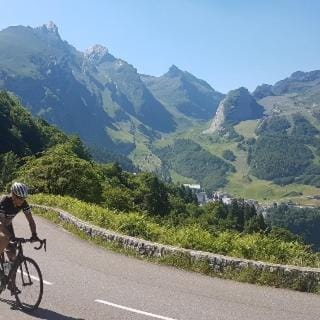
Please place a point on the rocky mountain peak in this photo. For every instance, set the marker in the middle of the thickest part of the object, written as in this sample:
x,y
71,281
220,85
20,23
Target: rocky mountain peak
x,y
238,105
97,49
97,53
239,91
174,71
48,31
51,27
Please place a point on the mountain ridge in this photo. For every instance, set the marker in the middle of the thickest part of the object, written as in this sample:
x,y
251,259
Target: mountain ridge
x,y
116,93
109,104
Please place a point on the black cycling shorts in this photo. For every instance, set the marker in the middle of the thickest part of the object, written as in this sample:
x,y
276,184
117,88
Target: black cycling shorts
x,y
11,246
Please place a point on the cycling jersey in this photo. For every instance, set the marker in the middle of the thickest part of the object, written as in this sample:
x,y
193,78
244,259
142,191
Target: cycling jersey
x,y
9,211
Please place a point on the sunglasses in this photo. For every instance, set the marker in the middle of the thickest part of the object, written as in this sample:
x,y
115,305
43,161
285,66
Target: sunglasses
x,y
19,198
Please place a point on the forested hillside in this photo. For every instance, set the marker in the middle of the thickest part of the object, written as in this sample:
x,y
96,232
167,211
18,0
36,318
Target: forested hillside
x,y
21,133
285,151
190,160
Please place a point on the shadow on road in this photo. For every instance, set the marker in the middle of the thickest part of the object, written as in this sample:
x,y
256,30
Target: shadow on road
x,y
41,313
51,315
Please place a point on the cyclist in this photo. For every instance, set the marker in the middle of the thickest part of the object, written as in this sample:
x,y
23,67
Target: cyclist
x,y
10,205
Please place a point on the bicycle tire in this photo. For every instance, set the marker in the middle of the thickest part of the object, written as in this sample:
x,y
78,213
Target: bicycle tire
x,y
27,284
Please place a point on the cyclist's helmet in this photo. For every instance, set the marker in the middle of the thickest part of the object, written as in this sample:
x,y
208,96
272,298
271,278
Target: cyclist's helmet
x,y
19,189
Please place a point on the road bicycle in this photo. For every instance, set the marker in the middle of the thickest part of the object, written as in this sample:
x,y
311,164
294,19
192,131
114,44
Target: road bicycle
x,y
23,277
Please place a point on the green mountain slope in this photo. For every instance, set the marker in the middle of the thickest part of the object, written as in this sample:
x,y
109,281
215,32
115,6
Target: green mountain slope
x,y
122,83
184,95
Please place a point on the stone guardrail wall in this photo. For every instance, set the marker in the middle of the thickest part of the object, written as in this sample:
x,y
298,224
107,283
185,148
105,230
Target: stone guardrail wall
x,y
217,263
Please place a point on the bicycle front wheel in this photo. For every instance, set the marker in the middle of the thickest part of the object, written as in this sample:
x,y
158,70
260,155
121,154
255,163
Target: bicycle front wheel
x,y
27,284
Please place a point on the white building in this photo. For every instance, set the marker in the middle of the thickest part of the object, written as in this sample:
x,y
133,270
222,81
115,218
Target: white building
x,y
193,186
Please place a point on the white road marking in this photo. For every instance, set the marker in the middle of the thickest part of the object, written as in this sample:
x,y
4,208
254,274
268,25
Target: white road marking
x,y
37,279
133,310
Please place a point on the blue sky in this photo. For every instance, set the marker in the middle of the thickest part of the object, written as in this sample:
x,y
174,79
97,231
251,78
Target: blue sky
x,y
228,43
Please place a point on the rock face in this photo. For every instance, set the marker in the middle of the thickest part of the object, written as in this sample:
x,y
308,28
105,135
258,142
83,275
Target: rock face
x,y
218,120
238,106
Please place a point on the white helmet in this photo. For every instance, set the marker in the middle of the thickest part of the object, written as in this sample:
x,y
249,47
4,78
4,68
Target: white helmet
x,y
19,189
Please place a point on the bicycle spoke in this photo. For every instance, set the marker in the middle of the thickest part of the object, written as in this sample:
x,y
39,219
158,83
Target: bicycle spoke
x,y
28,284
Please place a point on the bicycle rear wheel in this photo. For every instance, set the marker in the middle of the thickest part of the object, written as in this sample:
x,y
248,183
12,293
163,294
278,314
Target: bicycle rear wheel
x,y
27,284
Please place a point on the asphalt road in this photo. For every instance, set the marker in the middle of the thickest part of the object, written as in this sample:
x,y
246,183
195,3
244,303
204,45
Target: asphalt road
x,y
87,282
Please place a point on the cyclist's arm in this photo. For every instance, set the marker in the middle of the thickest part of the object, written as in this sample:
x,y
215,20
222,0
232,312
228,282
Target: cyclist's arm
x,y
32,224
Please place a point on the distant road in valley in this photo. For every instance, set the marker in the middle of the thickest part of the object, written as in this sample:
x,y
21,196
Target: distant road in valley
x,y
87,282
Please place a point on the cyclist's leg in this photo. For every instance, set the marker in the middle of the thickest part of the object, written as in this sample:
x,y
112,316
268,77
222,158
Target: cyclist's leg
x,y
4,237
4,241
11,247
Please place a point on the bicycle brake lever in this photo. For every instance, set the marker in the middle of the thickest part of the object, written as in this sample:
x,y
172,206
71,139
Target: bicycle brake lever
x,y
42,242
38,248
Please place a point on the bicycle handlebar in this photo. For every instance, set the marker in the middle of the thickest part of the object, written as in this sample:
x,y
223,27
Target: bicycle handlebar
x,y
43,242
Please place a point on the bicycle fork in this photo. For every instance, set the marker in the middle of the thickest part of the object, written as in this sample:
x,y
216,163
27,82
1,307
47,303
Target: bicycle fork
x,y
26,278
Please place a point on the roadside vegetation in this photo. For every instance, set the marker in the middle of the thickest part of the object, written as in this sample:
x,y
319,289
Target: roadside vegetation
x,y
303,222
222,237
